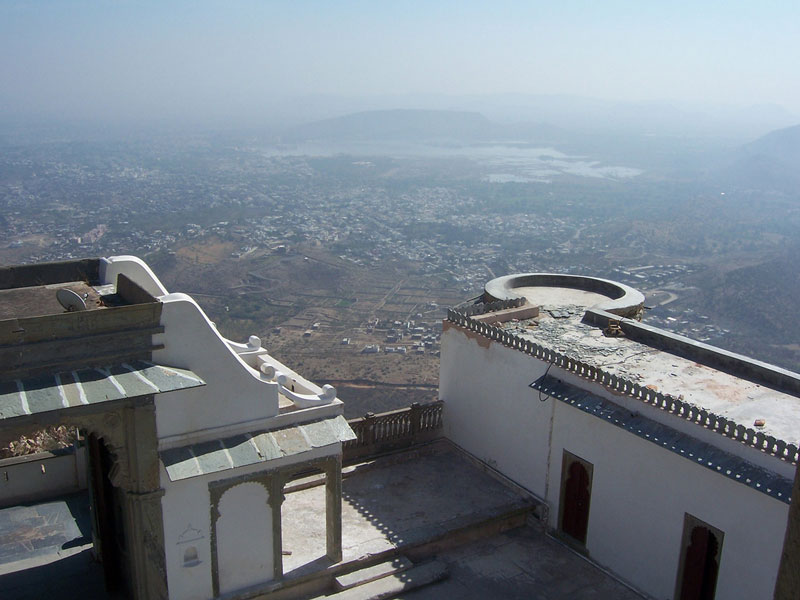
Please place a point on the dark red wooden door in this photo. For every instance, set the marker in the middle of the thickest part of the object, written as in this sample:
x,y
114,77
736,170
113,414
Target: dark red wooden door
x,y
575,520
700,566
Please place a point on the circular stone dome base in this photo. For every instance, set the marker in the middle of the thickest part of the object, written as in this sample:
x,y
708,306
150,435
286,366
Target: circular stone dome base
x,y
552,289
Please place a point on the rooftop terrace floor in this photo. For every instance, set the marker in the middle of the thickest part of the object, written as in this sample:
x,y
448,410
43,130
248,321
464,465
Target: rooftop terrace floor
x,y
407,500
521,564
17,303
394,502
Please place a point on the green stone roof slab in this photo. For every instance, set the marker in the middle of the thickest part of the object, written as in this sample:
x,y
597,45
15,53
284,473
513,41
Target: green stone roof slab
x,y
243,450
70,389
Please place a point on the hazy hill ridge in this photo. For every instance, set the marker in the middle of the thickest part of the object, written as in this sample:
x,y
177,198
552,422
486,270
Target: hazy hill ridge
x,y
419,126
772,162
398,124
783,144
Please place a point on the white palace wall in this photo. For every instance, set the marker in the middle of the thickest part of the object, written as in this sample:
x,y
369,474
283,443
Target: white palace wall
x,y
187,523
640,492
490,411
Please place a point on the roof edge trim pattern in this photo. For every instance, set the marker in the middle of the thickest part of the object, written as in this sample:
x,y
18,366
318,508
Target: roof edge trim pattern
x,y
698,452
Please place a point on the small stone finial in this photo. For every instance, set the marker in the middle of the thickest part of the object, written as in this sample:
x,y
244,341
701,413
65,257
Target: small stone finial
x,y
254,342
268,370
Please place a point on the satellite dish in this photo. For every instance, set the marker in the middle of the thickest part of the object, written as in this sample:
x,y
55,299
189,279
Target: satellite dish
x,y
70,300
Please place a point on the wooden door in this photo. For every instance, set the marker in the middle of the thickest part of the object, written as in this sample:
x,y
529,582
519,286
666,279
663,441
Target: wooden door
x,y
576,492
104,531
697,578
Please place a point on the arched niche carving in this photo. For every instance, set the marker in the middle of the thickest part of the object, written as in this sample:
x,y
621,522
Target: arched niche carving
x,y
190,557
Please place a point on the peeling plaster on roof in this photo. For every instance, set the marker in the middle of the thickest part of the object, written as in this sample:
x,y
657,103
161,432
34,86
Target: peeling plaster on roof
x,y
700,453
724,394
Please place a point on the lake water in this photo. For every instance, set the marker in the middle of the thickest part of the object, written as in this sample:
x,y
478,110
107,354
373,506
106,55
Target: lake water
x,y
500,162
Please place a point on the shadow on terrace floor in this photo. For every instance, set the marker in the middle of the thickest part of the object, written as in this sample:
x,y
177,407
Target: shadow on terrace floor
x,y
522,564
396,502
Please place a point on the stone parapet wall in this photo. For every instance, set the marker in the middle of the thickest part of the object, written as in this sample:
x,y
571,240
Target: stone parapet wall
x,y
526,311
394,430
43,475
18,276
70,340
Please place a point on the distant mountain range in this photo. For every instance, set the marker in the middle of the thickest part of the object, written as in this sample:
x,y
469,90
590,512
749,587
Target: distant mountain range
x,y
782,144
417,126
772,162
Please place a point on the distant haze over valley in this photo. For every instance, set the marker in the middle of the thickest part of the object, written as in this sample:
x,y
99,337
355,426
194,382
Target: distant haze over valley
x,y
351,169
367,220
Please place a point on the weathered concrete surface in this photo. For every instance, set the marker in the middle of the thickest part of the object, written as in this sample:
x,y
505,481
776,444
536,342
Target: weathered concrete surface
x,y
522,564
729,362
648,362
394,505
392,585
45,551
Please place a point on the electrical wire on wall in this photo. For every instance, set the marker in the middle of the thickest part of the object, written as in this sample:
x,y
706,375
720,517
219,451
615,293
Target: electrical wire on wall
x,y
542,379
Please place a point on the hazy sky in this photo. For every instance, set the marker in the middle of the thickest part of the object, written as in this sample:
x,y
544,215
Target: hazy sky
x,y
167,58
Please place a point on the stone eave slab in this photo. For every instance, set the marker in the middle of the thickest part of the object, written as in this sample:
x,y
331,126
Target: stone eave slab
x,y
68,390
247,449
